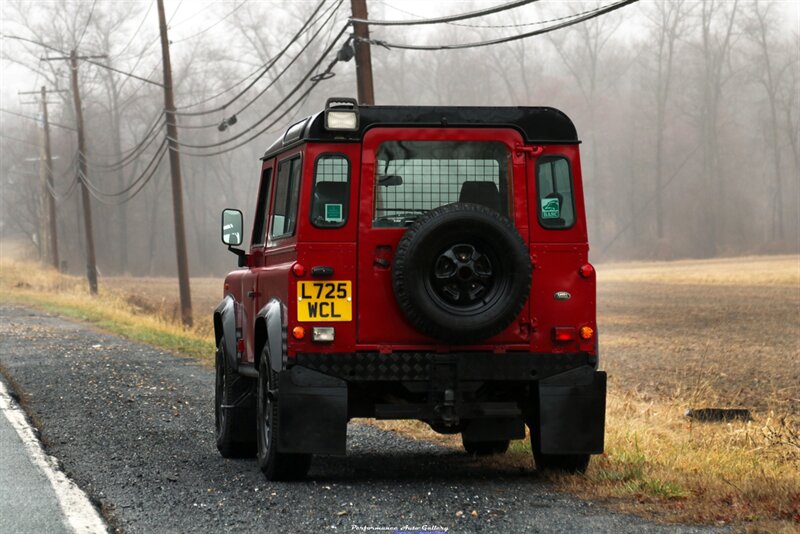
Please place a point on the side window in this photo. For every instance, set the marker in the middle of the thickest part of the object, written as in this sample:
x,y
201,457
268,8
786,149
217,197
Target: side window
x,y
287,189
260,228
554,184
329,200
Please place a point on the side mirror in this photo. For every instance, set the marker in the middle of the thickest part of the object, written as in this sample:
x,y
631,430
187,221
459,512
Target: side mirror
x,y
232,227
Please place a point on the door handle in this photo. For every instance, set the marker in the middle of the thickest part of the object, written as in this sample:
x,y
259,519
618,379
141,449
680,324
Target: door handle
x,y
253,294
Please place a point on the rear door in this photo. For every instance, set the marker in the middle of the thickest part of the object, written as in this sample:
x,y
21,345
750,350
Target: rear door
x,y
406,172
561,297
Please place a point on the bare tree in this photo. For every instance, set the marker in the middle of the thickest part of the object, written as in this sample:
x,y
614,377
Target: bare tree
x,y
771,71
668,24
716,25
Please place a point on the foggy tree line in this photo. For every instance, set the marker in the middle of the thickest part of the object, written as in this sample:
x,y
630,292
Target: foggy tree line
x,y
688,112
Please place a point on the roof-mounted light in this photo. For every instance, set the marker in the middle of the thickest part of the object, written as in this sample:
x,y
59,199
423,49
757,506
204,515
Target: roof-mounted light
x,y
341,114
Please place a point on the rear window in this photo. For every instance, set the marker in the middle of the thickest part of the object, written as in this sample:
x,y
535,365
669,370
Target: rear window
x,y
412,177
329,200
554,185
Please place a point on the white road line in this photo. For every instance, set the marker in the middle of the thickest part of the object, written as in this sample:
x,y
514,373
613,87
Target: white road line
x,y
81,516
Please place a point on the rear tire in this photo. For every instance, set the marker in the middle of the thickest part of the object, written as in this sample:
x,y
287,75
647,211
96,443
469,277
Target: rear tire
x,y
485,448
275,465
234,417
461,273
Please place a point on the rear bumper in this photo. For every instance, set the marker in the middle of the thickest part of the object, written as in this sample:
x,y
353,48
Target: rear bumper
x,y
426,366
560,396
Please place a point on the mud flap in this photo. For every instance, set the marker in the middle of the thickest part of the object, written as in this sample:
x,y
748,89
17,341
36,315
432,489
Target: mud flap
x,y
572,410
312,411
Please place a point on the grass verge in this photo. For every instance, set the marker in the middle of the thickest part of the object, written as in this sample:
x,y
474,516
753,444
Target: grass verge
x,y
66,295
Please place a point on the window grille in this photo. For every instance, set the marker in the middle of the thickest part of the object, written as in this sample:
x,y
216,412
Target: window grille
x,y
432,174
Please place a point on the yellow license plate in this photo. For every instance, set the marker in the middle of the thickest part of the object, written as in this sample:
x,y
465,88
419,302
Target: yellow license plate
x,y
331,300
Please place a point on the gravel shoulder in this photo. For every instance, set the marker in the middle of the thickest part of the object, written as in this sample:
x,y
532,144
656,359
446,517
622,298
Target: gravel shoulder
x,y
133,426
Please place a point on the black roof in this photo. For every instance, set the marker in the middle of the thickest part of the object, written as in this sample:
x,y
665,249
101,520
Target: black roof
x,y
540,125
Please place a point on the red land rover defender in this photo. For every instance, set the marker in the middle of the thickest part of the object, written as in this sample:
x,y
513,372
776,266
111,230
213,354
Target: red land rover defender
x,y
421,263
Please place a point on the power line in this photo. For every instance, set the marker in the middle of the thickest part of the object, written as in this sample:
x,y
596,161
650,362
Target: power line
x,y
70,188
285,99
37,119
326,74
86,59
134,182
442,20
130,75
190,17
133,156
136,185
136,33
220,21
276,78
266,68
142,55
4,136
497,26
578,19
647,203
88,21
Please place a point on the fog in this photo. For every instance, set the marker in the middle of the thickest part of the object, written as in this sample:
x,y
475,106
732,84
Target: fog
x,y
687,110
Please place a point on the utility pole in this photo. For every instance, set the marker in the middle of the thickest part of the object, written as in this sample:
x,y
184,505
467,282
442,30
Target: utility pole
x,y
48,165
83,171
175,172
51,199
366,91
91,262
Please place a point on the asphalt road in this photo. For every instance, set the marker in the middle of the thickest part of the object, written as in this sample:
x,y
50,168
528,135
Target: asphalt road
x,y
28,502
133,427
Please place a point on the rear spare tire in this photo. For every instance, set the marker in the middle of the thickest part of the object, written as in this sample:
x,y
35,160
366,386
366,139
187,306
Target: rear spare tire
x,y
461,273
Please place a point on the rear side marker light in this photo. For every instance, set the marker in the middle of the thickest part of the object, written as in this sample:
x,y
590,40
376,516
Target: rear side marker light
x,y
322,334
562,333
587,332
298,270
299,332
586,270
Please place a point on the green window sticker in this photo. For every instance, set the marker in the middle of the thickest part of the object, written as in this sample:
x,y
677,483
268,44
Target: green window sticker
x,y
550,208
333,213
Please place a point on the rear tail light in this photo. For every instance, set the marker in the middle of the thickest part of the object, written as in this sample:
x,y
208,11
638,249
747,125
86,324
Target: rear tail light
x,y
564,333
299,332
586,270
587,332
298,270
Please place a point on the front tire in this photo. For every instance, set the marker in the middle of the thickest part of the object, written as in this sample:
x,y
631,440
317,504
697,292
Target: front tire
x,y
234,417
275,465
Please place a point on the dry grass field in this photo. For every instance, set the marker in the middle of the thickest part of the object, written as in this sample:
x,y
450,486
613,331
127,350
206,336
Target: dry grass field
x,y
721,332
676,335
